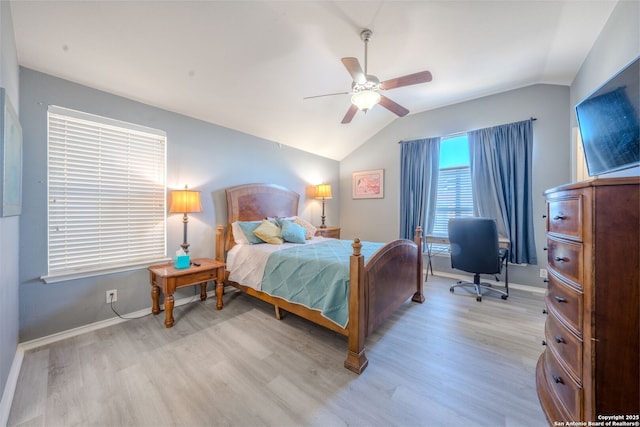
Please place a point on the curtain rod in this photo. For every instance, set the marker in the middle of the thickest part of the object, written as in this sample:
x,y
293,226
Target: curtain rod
x,y
533,119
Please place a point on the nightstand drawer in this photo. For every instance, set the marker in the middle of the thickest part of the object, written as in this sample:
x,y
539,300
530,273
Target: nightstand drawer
x,y
332,232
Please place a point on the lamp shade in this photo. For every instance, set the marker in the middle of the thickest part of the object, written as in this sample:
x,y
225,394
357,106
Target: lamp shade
x,y
365,99
185,201
323,191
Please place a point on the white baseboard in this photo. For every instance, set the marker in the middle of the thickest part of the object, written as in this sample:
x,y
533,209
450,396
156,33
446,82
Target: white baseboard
x,y
22,348
10,386
512,285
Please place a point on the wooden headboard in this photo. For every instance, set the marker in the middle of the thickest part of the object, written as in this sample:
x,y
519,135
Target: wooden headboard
x,y
253,202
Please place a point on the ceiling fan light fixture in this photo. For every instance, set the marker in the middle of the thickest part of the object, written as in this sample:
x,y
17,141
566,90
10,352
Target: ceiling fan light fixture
x,y
365,99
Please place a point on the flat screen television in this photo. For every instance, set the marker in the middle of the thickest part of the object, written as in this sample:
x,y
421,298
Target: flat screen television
x,y
609,123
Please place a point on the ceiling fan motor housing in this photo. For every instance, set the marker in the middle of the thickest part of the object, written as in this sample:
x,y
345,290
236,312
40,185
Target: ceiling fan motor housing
x,y
365,35
372,83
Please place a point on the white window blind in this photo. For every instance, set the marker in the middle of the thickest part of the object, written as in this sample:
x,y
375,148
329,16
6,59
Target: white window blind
x,y
106,194
454,199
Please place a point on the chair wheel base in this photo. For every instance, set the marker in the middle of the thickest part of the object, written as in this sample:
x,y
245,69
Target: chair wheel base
x,y
479,299
504,296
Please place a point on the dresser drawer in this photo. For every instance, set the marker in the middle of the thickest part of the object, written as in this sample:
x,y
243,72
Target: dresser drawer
x,y
566,303
566,259
566,346
564,217
569,393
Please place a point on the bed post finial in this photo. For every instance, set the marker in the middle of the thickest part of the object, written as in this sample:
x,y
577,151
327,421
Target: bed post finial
x,y
357,246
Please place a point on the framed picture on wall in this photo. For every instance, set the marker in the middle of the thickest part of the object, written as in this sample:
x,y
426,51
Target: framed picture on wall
x,y
368,184
10,158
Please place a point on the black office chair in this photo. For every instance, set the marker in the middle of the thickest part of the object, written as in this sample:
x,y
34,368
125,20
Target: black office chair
x,y
475,249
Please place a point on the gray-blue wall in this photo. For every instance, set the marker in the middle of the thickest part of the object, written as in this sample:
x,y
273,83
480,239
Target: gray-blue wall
x,y
204,156
9,226
548,103
211,158
553,160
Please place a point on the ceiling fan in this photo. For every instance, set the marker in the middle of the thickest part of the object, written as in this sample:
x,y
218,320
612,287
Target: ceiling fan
x,y
365,89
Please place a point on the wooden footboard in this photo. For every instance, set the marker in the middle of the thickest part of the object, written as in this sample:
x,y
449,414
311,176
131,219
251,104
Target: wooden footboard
x,y
376,290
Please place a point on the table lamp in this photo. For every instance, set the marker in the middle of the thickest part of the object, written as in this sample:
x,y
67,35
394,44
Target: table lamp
x,y
185,201
323,191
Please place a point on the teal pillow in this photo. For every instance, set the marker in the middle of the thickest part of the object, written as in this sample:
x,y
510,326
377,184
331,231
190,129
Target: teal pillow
x,y
248,227
292,232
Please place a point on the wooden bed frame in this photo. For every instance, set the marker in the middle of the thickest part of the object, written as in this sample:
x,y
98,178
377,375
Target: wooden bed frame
x,y
377,288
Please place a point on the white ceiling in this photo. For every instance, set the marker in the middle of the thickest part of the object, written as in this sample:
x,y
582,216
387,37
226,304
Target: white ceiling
x,y
247,65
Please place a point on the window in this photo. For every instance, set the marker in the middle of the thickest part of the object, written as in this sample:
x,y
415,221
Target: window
x,y
106,195
454,198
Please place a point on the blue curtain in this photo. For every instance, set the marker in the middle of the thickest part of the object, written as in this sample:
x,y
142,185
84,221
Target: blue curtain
x,y
419,161
501,183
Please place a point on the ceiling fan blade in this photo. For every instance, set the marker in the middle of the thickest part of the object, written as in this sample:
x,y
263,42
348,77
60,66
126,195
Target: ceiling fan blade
x,y
350,113
353,67
393,106
327,94
410,79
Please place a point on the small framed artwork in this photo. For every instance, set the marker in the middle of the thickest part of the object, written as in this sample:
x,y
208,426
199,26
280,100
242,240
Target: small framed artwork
x,y
368,184
10,158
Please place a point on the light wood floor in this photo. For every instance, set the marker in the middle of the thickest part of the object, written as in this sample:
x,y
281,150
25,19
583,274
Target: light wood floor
x,y
451,361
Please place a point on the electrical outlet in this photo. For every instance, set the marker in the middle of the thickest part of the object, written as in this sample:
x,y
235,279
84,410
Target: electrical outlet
x,y
112,296
543,273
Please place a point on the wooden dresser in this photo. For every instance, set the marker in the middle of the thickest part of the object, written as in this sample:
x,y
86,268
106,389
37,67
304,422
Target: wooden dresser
x,y
590,365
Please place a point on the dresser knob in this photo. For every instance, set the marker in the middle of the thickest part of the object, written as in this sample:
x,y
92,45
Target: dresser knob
x,y
560,259
559,217
545,280
560,299
544,311
557,379
544,215
544,342
559,340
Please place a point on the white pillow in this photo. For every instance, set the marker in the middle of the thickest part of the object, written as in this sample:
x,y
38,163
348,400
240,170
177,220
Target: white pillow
x,y
310,228
238,234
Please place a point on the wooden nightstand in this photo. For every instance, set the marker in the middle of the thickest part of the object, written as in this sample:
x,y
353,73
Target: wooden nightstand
x,y
168,278
333,232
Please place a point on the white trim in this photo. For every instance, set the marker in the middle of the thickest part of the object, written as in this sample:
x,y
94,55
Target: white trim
x,y
107,121
23,347
49,339
10,386
63,277
527,288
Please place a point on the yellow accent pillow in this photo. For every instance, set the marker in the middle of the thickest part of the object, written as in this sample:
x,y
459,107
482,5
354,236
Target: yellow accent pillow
x,y
310,228
269,232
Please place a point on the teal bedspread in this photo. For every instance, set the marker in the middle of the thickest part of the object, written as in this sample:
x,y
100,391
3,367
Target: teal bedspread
x,y
315,275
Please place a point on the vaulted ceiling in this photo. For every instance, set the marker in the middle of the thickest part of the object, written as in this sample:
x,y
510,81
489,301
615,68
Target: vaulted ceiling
x,y
247,65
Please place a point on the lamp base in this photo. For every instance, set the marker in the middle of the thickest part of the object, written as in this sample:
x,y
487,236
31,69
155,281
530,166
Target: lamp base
x,y
185,245
323,217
